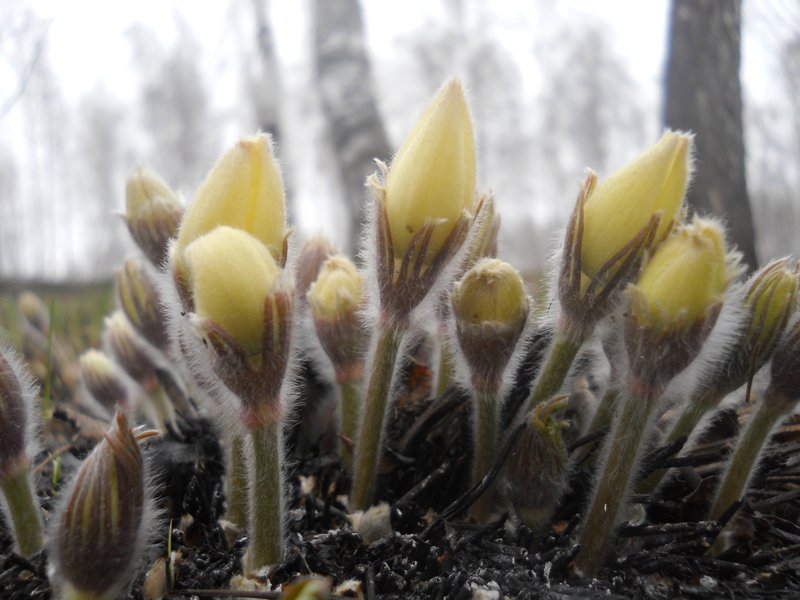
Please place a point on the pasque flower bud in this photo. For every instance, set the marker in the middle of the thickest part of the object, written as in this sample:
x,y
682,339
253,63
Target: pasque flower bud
x,y
490,307
686,276
141,303
17,399
153,212
244,190
622,205
231,273
432,176
103,379
313,254
98,533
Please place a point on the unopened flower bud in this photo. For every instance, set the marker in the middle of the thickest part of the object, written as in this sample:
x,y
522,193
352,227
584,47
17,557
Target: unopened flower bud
x,y
34,311
99,532
483,243
14,418
490,306
784,386
309,262
536,472
103,380
432,177
622,205
244,190
141,303
153,212
337,291
127,348
772,300
687,275
231,274
335,298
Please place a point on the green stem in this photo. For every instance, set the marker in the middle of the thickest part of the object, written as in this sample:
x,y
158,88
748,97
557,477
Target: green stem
x,y
23,508
623,453
740,467
373,414
445,369
237,482
692,414
602,418
485,441
555,369
266,498
349,397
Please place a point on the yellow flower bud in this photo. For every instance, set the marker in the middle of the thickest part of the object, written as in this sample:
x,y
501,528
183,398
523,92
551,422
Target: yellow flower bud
x,y
230,275
145,188
491,291
432,177
244,190
338,290
688,274
153,214
624,203
103,379
772,298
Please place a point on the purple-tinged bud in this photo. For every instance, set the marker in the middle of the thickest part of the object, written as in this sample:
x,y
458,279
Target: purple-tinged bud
x,y
103,380
99,532
20,506
128,349
141,303
309,263
153,213
13,421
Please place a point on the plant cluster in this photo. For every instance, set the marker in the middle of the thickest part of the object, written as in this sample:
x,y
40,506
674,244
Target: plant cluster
x,y
225,306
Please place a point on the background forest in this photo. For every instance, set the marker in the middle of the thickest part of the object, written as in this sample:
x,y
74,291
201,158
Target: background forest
x,y
90,90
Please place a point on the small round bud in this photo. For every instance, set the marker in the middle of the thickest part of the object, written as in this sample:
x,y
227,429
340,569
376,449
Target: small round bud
x,y
784,386
231,274
490,307
153,212
622,205
772,300
337,291
492,291
687,275
432,176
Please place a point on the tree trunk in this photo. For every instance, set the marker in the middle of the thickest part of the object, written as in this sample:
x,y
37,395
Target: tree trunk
x,y
348,99
704,95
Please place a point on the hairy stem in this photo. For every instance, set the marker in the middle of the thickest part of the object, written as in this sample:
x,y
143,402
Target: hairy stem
x,y
623,453
602,418
485,441
237,483
692,414
24,512
373,414
740,467
445,369
555,369
266,497
349,396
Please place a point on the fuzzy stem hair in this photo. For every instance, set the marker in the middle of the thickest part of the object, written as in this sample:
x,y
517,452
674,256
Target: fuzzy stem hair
x,y
623,454
237,482
23,510
349,390
740,467
370,431
266,497
485,444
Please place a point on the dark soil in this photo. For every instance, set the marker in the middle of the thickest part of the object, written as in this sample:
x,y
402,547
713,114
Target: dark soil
x,y
434,552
